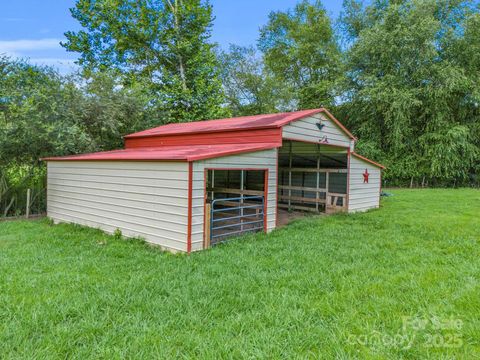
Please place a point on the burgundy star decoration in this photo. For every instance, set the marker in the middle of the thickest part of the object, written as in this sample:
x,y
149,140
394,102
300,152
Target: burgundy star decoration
x,y
365,176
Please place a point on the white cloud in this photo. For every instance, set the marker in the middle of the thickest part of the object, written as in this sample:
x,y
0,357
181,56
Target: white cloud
x,y
45,51
14,47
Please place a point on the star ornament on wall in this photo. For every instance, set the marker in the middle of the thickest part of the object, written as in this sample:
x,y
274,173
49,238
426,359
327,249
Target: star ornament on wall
x,y
365,176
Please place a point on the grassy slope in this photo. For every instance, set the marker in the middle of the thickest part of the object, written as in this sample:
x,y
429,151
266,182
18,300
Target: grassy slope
x,y
304,290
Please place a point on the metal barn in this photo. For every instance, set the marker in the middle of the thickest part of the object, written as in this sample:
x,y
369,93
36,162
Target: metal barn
x,y
188,186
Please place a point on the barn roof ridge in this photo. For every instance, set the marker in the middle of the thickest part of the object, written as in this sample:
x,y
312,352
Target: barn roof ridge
x,y
253,122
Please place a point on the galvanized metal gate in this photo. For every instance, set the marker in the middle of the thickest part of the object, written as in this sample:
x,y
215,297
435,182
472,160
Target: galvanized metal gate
x,y
235,216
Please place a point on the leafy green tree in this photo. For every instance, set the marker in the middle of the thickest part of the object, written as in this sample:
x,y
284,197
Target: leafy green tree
x,y
36,116
45,114
249,88
162,44
409,90
301,51
108,110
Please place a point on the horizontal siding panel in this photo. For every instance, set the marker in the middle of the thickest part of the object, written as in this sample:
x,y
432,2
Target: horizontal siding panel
x,y
133,189
130,174
307,130
312,133
363,196
126,231
147,199
134,211
151,206
133,196
145,182
167,229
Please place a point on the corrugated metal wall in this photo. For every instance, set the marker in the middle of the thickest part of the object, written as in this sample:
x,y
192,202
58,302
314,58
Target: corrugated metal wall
x,y
266,159
363,196
146,199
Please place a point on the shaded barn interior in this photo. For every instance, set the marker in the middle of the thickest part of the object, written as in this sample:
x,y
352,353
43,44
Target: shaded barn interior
x,y
235,202
312,177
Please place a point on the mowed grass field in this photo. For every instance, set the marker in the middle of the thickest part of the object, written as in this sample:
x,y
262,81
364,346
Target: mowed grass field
x,y
402,281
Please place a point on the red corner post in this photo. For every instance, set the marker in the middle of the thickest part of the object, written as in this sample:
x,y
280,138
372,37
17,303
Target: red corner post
x,y
190,192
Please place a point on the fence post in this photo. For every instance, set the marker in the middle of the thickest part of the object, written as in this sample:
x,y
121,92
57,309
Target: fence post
x,y
27,211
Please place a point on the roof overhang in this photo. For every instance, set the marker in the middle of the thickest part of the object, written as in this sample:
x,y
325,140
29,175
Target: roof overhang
x,y
368,160
168,153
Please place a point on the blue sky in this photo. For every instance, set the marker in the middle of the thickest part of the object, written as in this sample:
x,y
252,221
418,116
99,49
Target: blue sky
x,y
34,28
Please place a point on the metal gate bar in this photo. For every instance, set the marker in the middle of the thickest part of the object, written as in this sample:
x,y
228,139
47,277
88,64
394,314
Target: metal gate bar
x,y
241,204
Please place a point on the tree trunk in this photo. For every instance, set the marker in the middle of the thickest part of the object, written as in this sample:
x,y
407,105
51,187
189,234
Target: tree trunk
x,y
181,65
411,182
8,207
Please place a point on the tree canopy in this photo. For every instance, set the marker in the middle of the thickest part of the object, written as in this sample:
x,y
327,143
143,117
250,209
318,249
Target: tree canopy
x,y
409,91
162,44
300,49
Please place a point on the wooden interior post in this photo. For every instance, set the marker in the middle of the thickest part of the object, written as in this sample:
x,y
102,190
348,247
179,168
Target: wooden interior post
x,y
327,193
208,215
213,184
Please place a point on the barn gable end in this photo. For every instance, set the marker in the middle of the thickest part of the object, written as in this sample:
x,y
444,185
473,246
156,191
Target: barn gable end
x,y
307,129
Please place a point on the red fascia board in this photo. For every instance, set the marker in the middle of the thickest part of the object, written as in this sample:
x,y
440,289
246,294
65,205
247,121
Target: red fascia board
x,y
368,160
225,137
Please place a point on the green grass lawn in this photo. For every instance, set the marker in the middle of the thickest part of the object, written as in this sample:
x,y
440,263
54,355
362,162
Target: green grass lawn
x,y
399,282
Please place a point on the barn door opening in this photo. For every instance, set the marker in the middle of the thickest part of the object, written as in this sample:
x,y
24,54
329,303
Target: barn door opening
x,y
235,203
312,178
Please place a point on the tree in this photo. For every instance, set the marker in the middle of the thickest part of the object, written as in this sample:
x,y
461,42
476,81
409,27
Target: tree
x,y
408,89
249,88
161,44
300,49
36,116
45,114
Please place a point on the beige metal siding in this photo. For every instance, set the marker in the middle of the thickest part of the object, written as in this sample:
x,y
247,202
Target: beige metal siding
x,y
266,159
307,130
145,199
363,196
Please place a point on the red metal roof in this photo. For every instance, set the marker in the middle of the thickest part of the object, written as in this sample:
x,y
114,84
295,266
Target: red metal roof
x,y
236,124
166,153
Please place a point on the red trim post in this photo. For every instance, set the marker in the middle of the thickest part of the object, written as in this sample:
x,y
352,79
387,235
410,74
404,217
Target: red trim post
x,y
205,197
276,195
348,179
265,190
380,192
190,192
